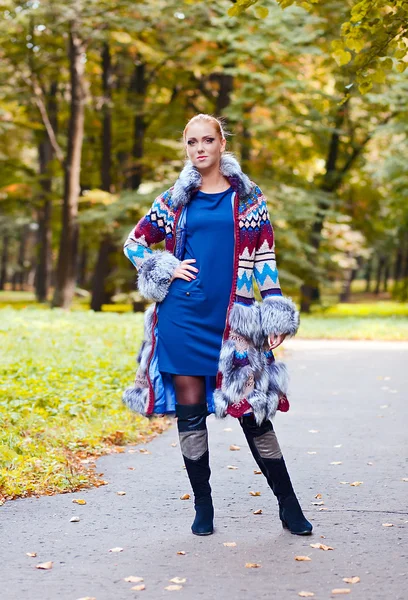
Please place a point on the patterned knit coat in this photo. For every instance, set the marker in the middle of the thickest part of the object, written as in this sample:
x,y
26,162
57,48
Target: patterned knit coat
x,y
248,376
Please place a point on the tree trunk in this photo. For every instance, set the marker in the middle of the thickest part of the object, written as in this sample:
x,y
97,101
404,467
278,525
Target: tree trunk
x,y
225,87
99,295
386,275
21,256
380,267
82,267
67,258
138,89
4,261
367,275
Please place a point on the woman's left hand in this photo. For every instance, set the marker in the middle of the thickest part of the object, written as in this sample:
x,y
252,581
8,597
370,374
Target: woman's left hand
x,y
275,340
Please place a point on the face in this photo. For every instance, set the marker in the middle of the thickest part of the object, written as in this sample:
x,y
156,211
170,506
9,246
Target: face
x,y
204,145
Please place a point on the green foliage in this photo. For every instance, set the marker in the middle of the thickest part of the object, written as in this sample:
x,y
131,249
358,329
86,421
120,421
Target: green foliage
x,y
62,375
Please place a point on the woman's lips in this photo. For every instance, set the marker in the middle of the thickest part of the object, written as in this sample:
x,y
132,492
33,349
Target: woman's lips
x,y
201,157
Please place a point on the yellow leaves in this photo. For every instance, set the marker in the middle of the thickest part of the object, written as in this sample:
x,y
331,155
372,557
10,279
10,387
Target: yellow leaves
x,y
339,591
342,57
138,588
185,497
262,12
230,544
388,525
31,554
133,579
116,549
79,501
306,594
302,558
45,565
252,565
318,496
254,493
234,448
173,588
178,580
257,512
181,552
319,546
353,580
356,483
143,451
232,468
257,472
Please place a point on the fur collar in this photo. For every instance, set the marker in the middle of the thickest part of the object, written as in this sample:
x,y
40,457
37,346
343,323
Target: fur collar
x,y
190,179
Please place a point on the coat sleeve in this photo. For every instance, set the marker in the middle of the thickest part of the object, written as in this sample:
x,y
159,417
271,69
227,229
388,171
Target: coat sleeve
x,y
155,267
279,314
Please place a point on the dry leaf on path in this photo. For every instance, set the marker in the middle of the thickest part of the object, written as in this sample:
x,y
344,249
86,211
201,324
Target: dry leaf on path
x,y
44,565
388,524
116,549
234,447
255,493
139,588
185,497
351,579
318,496
181,552
404,479
318,503
232,467
178,580
322,508
79,501
131,468
312,452
339,591
257,512
252,565
313,431
230,544
143,451
302,558
338,446
306,594
256,472
336,462
87,598
74,520
344,482
133,579
320,546
228,429
173,588
173,445
356,483
121,493
32,554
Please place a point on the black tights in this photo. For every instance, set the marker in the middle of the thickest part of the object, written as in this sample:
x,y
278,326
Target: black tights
x,y
190,389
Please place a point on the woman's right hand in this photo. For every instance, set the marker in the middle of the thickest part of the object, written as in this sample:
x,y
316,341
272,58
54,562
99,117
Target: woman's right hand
x,y
185,270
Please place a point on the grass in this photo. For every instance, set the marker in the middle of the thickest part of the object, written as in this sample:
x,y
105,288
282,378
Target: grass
x,y
62,375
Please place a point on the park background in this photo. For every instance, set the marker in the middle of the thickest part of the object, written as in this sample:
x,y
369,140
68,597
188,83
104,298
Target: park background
x,y
94,97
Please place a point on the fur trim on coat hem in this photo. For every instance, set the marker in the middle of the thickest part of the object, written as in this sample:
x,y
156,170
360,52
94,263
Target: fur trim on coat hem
x,y
279,315
155,275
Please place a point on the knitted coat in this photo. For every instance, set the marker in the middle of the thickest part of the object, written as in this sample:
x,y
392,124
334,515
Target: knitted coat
x,y
248,375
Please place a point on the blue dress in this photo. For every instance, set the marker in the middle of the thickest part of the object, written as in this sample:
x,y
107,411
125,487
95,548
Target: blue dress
x,y
191,318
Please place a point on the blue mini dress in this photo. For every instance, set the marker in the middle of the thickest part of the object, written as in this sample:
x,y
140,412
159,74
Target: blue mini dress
x,y
191,318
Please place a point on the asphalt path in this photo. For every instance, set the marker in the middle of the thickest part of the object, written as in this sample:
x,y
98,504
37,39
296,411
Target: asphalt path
x,y
347,425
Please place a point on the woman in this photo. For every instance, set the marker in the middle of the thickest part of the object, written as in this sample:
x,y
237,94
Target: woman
x,y
207,343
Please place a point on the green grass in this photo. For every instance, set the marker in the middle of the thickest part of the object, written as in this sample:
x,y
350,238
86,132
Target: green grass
x,y
61,379
353,328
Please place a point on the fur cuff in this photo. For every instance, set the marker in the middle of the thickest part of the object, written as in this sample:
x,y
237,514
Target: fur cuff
x,y
246,321
279,315
155,275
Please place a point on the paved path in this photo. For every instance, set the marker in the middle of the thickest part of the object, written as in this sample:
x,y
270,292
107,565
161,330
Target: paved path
x,y
349,406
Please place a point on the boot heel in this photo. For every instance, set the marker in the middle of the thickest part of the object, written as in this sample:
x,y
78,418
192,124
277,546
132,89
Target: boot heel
x,y
203,522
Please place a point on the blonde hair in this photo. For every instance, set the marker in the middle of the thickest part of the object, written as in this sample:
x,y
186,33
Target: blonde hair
x,y
217,123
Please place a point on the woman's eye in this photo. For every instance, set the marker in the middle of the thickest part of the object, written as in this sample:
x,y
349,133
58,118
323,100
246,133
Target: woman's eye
x,y
190,143
209,140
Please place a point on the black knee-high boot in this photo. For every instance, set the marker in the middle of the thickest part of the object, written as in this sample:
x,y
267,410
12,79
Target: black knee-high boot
x,y
267,453
193,437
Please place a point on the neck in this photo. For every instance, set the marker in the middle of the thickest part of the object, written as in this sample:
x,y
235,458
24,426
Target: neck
x,y
213,181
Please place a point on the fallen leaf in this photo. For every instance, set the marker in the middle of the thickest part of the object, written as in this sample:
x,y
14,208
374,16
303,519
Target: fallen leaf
x,y
344,482
255,493
143,451
388,525
87,598
313,431
228,429
79,501
338,591
318,503
323,537
132,451
32,554
121,493
173,588
336,462
178,580
234,447
131,468
312,452
133,579
174,444
338,446
230,544
384,406
320,546
323,508
318,496
356,483
232,467
351,579
116,549
370,464
306,594
139,588
185,497
256,472
302,558
181,552
74,520
404,479
252,565
44,565
258,512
